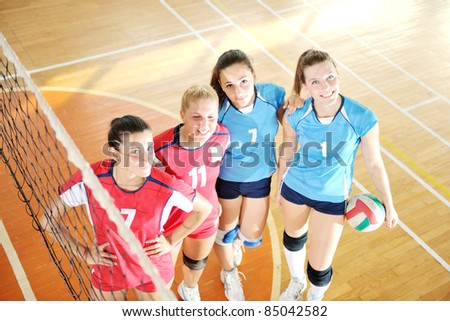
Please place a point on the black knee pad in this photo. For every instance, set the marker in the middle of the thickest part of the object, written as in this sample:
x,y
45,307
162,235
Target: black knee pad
x,y
194,264
319,278
294,244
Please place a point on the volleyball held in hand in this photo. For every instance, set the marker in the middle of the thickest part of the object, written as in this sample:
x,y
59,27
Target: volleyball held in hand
x,y
365,212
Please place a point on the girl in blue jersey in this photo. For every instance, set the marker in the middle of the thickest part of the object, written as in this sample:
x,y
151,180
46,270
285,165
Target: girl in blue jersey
x,y
315,179
251,113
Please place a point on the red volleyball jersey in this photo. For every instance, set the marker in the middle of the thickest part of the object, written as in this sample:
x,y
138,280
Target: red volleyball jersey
x,y
145,212
198,167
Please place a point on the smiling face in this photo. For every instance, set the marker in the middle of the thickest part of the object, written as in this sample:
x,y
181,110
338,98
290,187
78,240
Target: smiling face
x,y
323,83
200,120
238,81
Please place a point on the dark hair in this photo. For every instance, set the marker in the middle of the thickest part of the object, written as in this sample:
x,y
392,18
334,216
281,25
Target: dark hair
x,y
308,58
126,124
227,59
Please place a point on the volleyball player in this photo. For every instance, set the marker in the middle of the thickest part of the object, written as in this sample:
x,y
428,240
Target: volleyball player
x,y
193,151
318,176
251,112
144,196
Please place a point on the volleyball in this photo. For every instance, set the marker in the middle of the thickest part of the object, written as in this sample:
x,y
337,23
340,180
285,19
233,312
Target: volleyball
x,y
365,212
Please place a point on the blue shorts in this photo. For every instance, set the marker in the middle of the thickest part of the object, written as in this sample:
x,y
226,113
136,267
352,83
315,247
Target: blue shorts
x,y
231,190
324,207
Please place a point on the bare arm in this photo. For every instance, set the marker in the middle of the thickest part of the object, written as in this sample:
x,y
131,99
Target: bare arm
x,y
287,151
53,222
370,144
291,104
202,208
163,244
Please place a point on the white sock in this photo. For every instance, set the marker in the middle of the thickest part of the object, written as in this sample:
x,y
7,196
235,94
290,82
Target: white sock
x,y
319,291
296,263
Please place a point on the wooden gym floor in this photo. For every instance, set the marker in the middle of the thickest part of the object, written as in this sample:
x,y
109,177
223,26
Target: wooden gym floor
x,y
94,60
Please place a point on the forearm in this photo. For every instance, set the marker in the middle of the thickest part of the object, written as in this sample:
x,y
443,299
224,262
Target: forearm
x,y
52,223
287,152
282,166
63,234
381,181
193,220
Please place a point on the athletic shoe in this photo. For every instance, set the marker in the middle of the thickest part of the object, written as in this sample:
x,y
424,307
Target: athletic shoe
x,y
232,283
187,293
312,297
238,248
294,290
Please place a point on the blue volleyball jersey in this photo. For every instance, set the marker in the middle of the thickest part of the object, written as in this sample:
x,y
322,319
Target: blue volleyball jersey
x,y
251,155
322,168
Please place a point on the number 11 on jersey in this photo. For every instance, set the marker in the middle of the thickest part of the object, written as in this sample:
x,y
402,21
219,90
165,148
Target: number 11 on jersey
x,y
195,173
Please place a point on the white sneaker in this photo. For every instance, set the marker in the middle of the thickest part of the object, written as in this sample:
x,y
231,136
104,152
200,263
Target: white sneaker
x,y
238,248
294,290
187,293
312,297
232,283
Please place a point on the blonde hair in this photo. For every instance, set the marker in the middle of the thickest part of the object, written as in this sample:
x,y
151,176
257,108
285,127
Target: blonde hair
x,y
198,91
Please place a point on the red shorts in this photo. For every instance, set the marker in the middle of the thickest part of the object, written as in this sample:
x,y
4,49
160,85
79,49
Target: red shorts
x,y
128,276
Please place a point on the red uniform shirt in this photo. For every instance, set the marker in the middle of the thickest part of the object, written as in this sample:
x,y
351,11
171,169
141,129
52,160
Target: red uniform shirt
x,y
145,212
198,167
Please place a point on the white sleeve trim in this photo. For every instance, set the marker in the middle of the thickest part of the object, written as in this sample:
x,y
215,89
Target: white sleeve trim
x,y
176,200
76,195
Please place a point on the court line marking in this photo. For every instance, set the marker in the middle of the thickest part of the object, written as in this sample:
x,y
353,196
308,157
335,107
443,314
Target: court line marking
x,y
192,29
360,78
276,258
401,224
250,38
389,61
14,260
411,163
365,44
115,96
411,233
422,103
125,50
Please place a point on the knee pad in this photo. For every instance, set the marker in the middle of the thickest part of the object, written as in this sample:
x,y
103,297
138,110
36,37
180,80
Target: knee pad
x,y
319,278
294,244
224,238
250,242
194,264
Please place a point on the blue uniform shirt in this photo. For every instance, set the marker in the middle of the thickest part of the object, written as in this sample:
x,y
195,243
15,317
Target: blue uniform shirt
x,y
322,168
251,155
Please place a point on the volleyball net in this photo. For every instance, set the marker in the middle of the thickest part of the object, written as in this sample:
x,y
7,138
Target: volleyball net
x,y
39,155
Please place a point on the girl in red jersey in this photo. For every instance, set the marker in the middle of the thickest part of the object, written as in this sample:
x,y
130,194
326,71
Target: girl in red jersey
x,y
193,151
144,196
